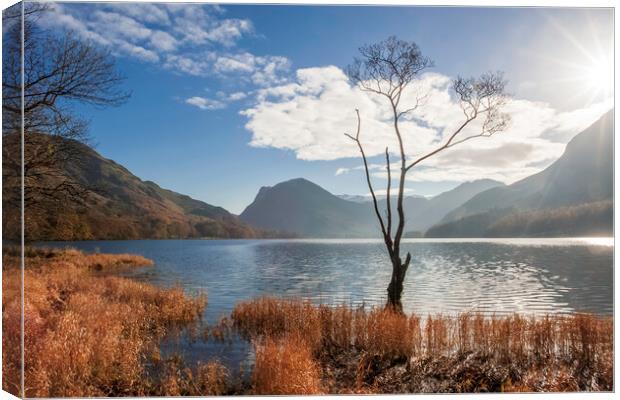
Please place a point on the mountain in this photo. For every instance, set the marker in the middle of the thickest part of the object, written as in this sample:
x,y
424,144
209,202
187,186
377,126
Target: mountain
x,y
302,207
365,199
438,206
357,198
582,176
120,205
423,212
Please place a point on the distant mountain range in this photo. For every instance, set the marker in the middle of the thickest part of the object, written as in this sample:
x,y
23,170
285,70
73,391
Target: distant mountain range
x,y
573,196
303,207
576,192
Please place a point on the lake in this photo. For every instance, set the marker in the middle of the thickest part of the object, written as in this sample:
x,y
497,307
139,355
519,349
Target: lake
x,y
530,276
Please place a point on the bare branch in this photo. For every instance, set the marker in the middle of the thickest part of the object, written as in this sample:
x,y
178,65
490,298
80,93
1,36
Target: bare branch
x,y
388,67
485,97
368,181
388,199
59,71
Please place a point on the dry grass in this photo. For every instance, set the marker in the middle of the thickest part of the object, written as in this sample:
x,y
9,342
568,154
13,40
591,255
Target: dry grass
x,y
174,378
86,334
379,351
92,334
272,317
36,258
285,366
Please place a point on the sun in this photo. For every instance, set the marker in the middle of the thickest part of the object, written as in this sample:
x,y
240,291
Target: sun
x,y
599,76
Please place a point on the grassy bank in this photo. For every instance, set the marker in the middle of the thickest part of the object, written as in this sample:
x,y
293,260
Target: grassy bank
x,y
92,334
302,348
89,333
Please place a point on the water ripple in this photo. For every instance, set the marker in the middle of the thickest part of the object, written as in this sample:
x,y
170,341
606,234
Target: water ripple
x,y
448,276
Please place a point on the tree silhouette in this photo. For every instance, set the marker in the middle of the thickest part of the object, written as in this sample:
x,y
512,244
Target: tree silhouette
x,y
388,68
59,70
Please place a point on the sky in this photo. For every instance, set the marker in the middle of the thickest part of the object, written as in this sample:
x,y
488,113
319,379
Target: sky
x,y
226,99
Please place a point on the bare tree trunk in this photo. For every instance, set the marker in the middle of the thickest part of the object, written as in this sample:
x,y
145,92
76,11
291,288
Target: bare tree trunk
x,y
386,69
395,288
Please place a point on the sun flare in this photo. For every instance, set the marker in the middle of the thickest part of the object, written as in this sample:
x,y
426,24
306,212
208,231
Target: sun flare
x,y
599,75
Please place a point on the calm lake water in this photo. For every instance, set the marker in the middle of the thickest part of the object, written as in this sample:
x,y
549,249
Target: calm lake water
x,y
446,276
532,276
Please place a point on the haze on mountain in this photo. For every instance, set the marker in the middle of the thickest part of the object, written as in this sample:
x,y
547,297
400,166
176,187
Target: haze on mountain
x,y
305,208
573,196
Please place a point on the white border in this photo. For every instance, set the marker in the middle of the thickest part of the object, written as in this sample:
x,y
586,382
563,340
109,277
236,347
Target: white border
x,y
463,3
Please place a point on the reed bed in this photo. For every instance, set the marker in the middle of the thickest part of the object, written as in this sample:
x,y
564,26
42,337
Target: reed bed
x,y
96,334
381,351
86,334
210,378
285,366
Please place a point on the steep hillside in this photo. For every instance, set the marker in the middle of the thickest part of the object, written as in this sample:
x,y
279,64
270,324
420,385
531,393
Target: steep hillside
x,y
119,205
422,212
307,209
437,207
590,219
582,176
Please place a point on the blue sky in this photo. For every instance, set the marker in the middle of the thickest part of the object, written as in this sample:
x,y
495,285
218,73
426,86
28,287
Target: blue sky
x,y
228,99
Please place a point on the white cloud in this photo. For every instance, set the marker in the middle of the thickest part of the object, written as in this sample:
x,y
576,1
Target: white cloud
x,y
269,70
262,70
145,12
235,63
310,115
163,41
205,104
151,32
229,31
199,24
237,96
223,99
313,114
184,64
118,26
341,171
138,52
187,39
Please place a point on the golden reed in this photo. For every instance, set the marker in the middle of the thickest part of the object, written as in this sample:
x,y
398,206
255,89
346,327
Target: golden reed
x,y
86,333
471,352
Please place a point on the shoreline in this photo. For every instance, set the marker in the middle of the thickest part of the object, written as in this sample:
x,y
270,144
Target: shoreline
x,y
607,241
346,349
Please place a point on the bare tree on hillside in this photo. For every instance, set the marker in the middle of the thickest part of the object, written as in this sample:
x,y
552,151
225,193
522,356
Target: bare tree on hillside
x,y
59,70
386,69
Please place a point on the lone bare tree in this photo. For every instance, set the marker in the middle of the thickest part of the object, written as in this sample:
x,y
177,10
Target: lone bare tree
x,y
388,68
58,71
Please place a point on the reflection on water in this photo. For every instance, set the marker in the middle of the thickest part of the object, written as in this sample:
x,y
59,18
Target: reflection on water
x,y
446,275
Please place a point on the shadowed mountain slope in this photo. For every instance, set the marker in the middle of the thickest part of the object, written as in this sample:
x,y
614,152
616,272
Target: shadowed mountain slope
x,y
304,208
582,176
307,209
120,205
